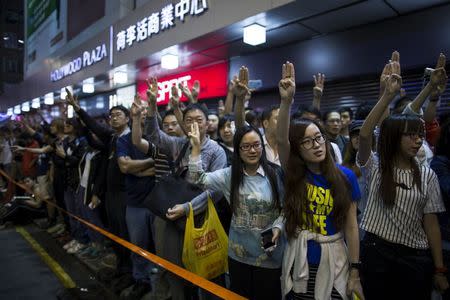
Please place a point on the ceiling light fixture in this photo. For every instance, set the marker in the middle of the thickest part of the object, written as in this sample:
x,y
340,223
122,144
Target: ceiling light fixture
x,y
49,99
88,85
20,41
26,106
36,103
17,109
10,111
169,61
254,34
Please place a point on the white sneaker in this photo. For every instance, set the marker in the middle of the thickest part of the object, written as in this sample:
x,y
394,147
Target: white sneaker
x,y
77,247
69,244
55,228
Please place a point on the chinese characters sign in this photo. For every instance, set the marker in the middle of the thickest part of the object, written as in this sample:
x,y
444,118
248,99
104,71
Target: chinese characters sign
x,y
213,83
159,21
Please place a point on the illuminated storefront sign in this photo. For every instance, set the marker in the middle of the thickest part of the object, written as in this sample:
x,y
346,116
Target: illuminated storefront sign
x,y
159,21
87,59
213,83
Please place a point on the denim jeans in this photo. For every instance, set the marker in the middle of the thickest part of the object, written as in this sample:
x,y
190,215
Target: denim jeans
x,y
139,222
92,216
74,206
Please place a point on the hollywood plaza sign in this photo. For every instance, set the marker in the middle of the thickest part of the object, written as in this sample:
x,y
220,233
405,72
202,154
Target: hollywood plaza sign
x,y
87,59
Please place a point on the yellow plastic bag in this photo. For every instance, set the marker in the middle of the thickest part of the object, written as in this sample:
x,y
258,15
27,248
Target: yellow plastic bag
x,y
205,249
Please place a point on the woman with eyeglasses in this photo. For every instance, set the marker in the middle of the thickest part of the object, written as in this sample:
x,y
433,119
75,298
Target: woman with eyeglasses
x,y
319,210
253,187
402,239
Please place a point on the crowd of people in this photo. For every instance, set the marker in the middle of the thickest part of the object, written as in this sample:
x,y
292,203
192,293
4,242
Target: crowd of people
x,y
355,198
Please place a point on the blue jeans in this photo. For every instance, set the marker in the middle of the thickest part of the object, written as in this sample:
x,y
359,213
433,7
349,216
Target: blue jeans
x,y
92,216
74,206
139,222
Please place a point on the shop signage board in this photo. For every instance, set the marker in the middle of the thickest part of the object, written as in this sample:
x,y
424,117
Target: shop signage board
x,y
158,22
86,59
213,83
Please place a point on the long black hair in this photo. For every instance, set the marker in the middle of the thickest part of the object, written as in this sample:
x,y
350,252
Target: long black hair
x,y
391,132
237,170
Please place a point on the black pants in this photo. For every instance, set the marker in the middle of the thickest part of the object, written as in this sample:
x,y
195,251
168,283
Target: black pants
x,y
394,271
116,211
254,282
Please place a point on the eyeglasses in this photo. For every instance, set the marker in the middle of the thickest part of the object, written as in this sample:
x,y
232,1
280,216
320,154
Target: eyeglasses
x,y
247,147
414,135
308,143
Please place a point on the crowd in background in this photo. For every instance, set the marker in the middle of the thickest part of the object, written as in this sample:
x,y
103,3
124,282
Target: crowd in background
x,y
355,197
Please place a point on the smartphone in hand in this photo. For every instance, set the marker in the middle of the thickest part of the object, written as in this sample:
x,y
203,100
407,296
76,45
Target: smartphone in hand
x,y
267,236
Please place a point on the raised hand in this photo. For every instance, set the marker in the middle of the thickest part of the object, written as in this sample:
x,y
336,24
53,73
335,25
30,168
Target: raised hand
x,y
194,138
136,108
221,108
393,66
319,81
174,100
195,91
286,85
232,84
438,78
191,94
72,100
152,91
240,89
390,80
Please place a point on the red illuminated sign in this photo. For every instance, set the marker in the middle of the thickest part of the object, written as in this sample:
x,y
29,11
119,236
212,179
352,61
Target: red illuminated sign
x,y
213,83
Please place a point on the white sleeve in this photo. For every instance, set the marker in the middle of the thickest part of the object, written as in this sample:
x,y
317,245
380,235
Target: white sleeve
x,y
434,202
337,153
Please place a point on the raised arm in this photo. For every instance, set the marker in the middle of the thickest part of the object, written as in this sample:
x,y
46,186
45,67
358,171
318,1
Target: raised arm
x,y
136,130
286,87
430,111
393,84
230,96
437,81
175,102
46,149
161,140
102,132
240,90
319,82
193,93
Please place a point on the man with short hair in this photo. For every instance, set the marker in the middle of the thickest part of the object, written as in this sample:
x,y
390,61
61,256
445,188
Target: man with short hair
x,y
346,119
213,125
333,123
139,171
213,158
115,188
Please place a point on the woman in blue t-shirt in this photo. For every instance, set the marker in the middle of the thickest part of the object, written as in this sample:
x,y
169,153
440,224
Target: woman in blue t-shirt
x,y
319,210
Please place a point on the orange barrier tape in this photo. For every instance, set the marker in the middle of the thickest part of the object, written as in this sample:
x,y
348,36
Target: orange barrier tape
x,y
183,273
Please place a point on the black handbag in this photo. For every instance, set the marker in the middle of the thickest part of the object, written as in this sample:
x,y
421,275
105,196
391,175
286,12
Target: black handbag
x,y
173,189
